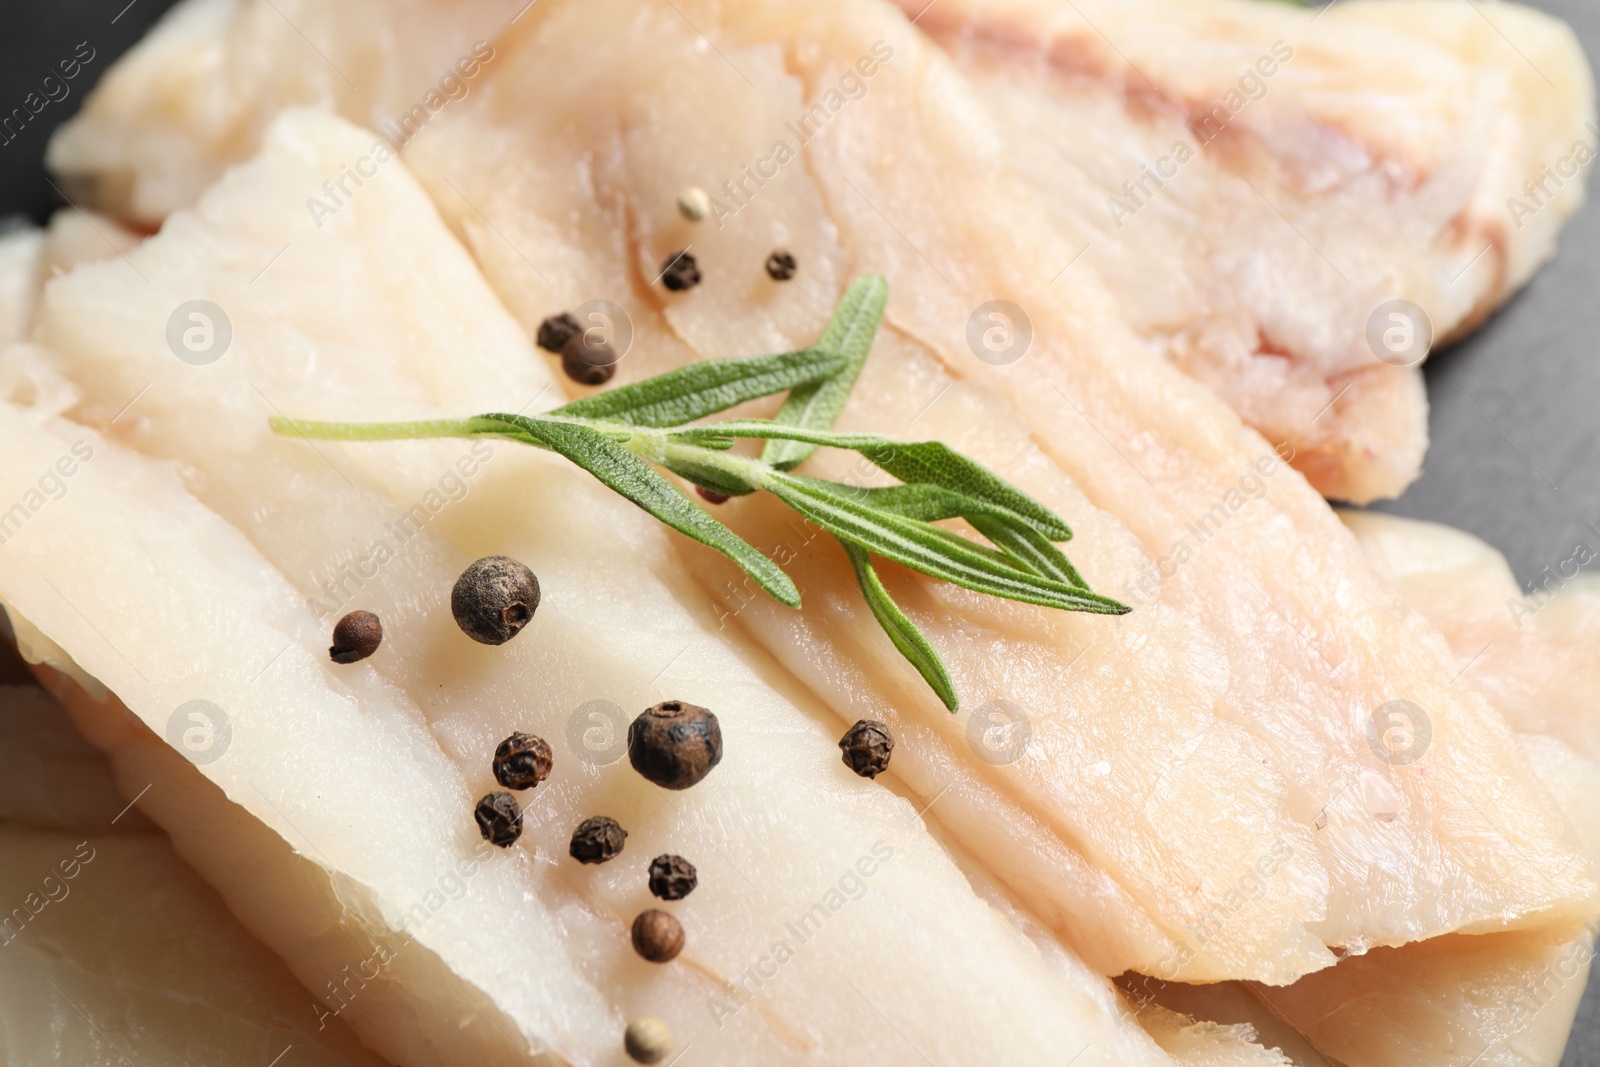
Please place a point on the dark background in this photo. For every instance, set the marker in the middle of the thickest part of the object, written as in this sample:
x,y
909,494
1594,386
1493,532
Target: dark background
x,y
1516,437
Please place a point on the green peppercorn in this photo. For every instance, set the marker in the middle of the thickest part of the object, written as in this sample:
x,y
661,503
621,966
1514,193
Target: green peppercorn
x,y
867,746
522,761
597,840
657,936
672,877
680,272
355,637
499,819
674,744
494,599
647,1040
781,266
557,330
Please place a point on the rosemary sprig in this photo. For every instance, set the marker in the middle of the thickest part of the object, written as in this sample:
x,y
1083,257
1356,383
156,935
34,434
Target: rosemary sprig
x,y
623,435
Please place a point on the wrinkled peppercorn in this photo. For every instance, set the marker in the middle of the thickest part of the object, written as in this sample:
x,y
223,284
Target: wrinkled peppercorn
x,y
711,496
680,272
522,761
494,599
355,637
499,819
557,330
597,840
647,1040
866,747
588,364
780,266
674,744
657,936
672,877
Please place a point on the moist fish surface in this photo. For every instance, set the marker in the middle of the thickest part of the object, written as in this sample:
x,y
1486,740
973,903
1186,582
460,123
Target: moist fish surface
x,y
1258,185
1170,810
1264,187
828,925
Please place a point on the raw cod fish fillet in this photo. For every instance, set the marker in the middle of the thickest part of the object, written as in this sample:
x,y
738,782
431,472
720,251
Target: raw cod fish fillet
x,y
1500,1000
337,820
112,950
1256,182
1382,158
1197,797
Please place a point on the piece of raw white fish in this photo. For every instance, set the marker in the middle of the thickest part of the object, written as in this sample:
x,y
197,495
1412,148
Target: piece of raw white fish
x,y
334,813
1185,805
111,950
1506,999
1256,182
1383,157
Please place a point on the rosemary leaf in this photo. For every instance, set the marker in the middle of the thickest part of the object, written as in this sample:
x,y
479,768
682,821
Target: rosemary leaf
x,y
850,333
635,479
911,642
702,389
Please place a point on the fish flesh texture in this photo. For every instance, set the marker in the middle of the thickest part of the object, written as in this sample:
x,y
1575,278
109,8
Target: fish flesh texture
x,y
1260,184
1506,999
111,950
1254,182
337,820
1206,742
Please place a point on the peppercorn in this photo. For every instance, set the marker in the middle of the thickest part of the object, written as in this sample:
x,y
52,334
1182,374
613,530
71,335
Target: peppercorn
x,y
694,204
494,599
647,1040
355,637
672,877
711,496
674,744
522,761
780,266
866,747
680,272
499,819
597,840
557,330
657,936
586,363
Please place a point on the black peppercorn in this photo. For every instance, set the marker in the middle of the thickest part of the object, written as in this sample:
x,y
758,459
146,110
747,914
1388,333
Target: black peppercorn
x,y
780,266
866,747
586,363
680,272
557,330
355,637
494,599
674,744
711,496
657,936
597,840
499,819
672,877
522,761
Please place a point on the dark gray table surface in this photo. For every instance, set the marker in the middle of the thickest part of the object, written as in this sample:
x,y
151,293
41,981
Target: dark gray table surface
x,y
1516,408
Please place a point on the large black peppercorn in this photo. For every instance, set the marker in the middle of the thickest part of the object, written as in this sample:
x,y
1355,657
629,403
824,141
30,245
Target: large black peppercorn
x,y
867,746
494,599
499,819
597,840
586,363
672,877
522,761
675,744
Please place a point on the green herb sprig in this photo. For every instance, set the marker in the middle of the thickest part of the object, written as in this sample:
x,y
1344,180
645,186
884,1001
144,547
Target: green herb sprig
x,y
623,435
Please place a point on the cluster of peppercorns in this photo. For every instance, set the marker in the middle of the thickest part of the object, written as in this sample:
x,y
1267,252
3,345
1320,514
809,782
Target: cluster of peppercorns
x,y
585,358
674,744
